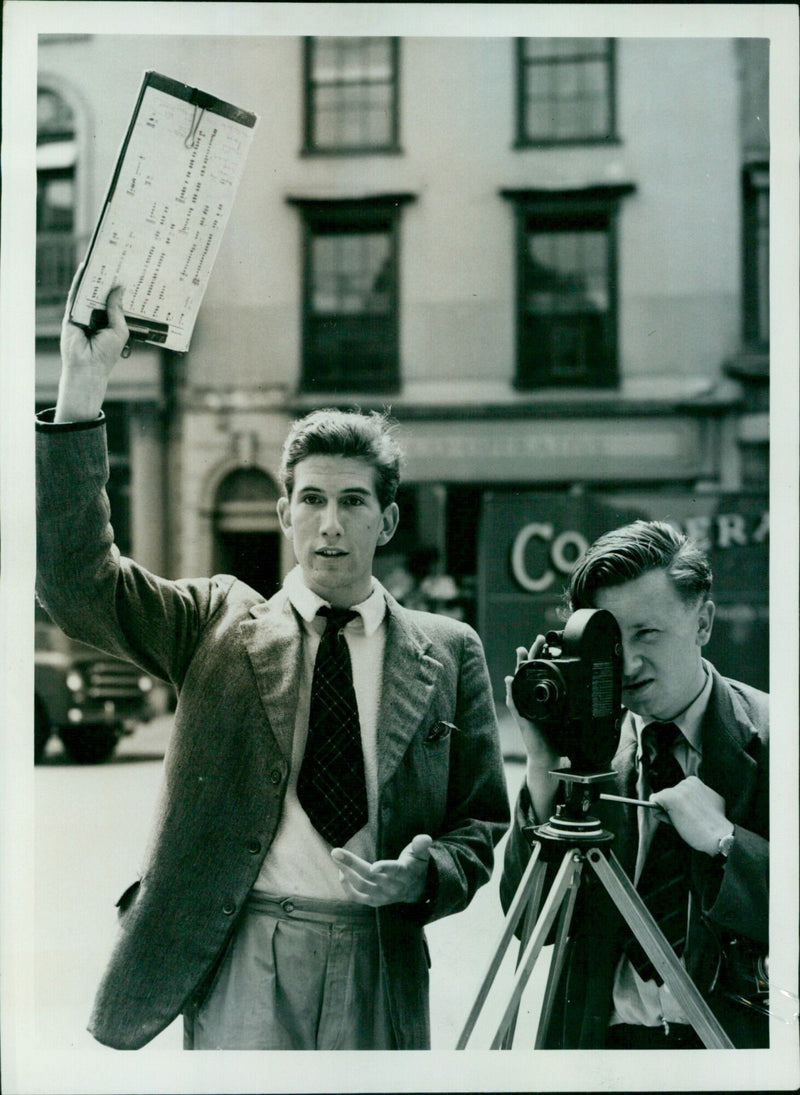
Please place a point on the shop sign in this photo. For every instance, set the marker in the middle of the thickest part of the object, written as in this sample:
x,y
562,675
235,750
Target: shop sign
x,y
530,542
715,532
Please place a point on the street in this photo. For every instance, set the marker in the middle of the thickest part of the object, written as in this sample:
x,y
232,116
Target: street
x,y
92,825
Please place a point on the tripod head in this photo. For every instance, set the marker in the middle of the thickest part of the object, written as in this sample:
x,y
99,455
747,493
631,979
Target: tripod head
x,y
572,823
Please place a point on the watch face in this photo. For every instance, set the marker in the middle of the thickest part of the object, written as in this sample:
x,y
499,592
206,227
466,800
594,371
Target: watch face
x,y
725,844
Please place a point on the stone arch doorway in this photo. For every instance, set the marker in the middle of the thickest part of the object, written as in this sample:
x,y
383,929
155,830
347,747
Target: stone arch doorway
x,y
246,531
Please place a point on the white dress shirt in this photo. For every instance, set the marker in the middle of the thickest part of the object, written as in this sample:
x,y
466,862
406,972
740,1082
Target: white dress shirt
x,y
298,862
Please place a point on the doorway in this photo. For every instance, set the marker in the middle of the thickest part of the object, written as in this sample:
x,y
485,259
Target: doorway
x,y
247,536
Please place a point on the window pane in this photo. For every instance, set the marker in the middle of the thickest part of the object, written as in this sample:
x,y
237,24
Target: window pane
x,y
538,122
351,273
597,47
326,117
347,59
54,117
594,77
379,59
55,204
762,264
756,256
324,56
537,47
562,47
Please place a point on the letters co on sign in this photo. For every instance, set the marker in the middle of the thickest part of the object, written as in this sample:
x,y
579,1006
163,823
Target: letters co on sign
x,y
564,550
718,532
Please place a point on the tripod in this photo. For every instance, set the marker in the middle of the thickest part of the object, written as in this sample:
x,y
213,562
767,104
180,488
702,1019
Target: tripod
x,y
582,840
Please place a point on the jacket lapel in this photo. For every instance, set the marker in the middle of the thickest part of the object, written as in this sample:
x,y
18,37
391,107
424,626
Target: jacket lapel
x,y
620,817
273,642
272,639
409,680
726,767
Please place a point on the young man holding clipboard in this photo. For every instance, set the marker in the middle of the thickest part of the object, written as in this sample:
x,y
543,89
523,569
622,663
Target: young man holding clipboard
x,y
262,931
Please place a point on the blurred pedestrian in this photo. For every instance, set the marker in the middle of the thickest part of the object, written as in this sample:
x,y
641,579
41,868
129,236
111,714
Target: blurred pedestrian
x,y
418,585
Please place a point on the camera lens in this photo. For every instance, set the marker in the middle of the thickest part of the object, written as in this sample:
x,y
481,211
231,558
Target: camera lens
x,y
545,692
538,691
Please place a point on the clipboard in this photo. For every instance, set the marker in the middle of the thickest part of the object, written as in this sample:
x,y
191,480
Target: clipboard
x,y
170,197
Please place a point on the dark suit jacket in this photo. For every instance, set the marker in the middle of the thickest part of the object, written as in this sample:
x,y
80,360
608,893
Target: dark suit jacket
x,y
235,660
730,900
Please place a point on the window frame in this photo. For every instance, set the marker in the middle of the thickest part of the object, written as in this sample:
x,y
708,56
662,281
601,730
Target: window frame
x,y
600,204
383,213
58,251
525,140
310,147
755,274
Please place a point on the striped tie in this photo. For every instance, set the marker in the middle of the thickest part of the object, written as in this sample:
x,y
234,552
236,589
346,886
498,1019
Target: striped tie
x,y
664,883
331,785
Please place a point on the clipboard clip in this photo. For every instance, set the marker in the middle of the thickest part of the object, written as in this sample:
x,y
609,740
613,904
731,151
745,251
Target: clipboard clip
x,y
190,140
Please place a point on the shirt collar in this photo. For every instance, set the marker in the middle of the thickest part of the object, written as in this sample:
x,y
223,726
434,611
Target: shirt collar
x,y
688,721
308,603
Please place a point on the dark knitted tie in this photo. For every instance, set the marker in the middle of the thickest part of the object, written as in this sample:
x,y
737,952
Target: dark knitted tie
x,y
331,785
664,883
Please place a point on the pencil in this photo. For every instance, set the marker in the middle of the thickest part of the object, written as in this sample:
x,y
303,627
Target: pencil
x,y
631,801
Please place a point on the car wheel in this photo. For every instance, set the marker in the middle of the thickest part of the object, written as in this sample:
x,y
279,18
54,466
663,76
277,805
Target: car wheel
x,y
41,729
89,743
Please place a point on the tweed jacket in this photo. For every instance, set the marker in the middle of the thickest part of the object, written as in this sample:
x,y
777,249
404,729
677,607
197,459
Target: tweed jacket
x,y
234,659
729,898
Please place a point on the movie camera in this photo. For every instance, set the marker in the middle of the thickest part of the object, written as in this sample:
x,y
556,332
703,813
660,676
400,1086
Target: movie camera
x,y
573,690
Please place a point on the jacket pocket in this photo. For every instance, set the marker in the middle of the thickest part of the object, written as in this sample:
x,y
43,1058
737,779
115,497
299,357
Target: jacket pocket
x,y
439,731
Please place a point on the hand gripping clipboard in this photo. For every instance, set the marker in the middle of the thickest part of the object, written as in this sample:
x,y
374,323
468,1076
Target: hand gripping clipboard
x,y
167,206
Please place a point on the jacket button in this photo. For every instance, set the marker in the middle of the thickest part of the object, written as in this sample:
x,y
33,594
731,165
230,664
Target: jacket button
x,y
254,847
229,907
275,775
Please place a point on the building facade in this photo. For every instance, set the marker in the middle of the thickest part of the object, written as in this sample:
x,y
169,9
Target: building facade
x,y
548,257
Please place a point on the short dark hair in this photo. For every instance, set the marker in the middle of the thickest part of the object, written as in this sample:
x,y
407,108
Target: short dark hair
x,y
367,436
627,553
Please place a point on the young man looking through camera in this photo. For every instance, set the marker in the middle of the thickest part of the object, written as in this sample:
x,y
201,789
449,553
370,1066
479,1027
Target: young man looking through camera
x,y
312,819
714,882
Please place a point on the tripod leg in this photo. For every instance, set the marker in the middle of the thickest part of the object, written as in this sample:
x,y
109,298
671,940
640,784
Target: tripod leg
x,y
528,895
638,917
556,965
528,923
566,878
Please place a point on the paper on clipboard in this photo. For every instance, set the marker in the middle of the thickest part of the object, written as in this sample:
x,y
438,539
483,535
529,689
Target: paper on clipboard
x,y
165,212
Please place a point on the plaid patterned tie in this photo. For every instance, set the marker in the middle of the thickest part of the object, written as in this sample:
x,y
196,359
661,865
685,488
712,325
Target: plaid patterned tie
x,y
664,883
331,785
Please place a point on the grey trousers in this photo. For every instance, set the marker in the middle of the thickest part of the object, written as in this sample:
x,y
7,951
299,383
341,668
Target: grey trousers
x,y
299,974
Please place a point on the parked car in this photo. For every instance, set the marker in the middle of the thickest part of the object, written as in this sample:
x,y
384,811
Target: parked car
x,y
89,699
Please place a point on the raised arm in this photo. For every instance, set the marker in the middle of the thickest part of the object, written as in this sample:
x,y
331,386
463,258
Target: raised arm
x,y
92,592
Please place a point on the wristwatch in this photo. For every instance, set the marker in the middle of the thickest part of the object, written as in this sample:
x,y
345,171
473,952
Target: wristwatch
x,y
725,844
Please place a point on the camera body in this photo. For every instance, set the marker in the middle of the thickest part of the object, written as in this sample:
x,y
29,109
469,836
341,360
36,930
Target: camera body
x,y
573,691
